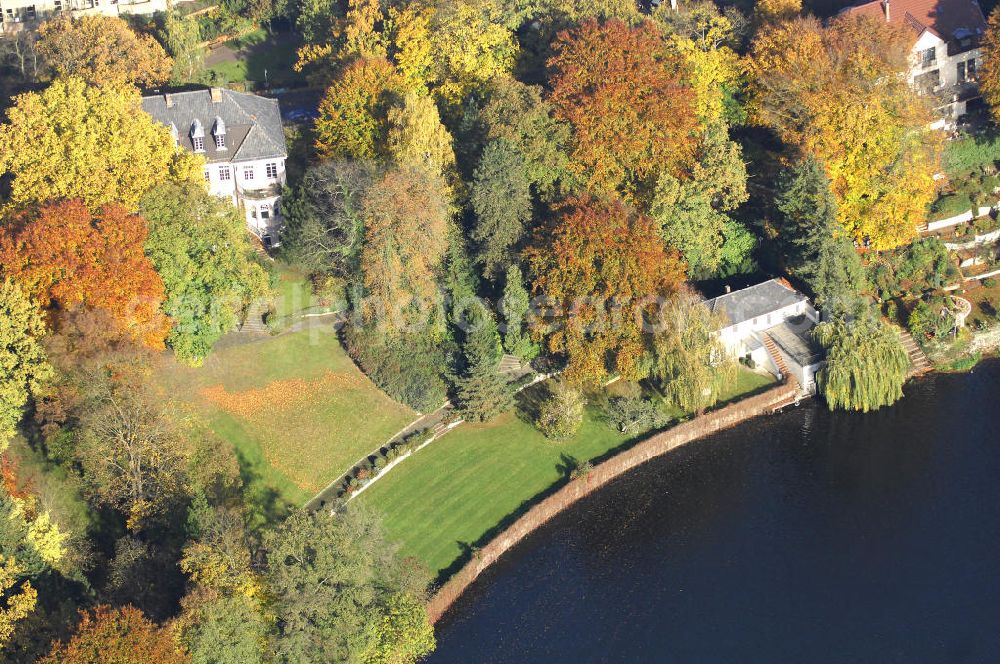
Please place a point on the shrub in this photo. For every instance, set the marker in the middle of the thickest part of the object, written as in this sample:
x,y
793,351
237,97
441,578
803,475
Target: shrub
x,y
633,414
561,414
989,282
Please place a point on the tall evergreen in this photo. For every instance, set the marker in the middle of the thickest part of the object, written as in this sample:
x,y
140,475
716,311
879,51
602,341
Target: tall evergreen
x,y
816,248
501,199
481,391
515,305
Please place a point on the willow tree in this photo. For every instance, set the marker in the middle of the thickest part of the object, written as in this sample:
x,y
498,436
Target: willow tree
x,y
690,364
866,364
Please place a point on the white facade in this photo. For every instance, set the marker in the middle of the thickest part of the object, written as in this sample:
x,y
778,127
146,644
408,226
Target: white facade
x,y
21,14
736,338
953,77
255,186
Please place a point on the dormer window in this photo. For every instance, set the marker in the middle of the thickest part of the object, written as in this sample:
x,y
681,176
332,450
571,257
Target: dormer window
x,y
198,136
219,132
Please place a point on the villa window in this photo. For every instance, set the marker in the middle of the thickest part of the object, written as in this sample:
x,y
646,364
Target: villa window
x,y
220,141
199,144
928,57
272,171
224,173
30,12
265,211
208,176
248,173
57,5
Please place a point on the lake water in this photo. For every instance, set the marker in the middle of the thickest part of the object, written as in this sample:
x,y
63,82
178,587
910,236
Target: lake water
x,y
807,536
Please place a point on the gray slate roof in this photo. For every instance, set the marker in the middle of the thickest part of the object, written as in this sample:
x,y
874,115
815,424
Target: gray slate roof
x,y
253,124
756,301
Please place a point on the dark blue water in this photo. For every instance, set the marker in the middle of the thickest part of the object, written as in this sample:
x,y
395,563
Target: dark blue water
x,y
802,537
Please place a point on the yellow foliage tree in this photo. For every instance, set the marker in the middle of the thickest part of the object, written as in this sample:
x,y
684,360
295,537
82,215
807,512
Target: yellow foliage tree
x,y
417,137
414,51
838,93
41,532
774,11
19,599
471,45
93,143
702,35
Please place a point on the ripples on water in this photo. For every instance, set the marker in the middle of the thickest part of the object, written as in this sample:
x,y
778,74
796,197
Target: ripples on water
x,y
803,537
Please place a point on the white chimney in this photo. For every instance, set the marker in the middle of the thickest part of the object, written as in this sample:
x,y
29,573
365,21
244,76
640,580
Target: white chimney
x,y
885,8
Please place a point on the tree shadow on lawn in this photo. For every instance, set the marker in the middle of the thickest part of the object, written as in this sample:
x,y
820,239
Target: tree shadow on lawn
x,y
265,505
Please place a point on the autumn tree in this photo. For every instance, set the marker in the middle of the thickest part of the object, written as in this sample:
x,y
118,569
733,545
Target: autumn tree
x,y
600,266
417,138
501,200
706,39
131,448
866,364
324,218
337,587
202,252
18,596
406,217
117,635
102,50
690,364
989,68
64,256
353,117
838,93
774,11
470,45
24,367
93,143
623,90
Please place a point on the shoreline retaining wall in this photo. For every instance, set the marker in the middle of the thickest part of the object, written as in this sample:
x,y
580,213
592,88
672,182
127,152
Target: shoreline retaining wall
x,y
618,465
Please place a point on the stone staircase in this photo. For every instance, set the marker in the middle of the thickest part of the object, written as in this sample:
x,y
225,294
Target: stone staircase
x,y
776,356
513,366
919,364
254,321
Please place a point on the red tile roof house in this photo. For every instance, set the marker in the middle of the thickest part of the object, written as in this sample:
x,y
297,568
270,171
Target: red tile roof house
x,y
945,54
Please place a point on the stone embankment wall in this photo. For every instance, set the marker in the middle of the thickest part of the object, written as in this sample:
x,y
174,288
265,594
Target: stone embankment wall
x,y
652,447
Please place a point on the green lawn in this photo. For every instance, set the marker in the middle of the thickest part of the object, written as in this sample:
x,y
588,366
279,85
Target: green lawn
x,y
256,54
297,410
456,492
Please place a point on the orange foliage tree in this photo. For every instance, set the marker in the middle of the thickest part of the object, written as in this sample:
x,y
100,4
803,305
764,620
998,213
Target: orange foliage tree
x,y
838,93
989,72
117,635
65,256
624,91
102,50
601,270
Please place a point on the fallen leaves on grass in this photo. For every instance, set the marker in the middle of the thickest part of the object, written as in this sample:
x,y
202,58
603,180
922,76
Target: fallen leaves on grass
x,y
276,396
